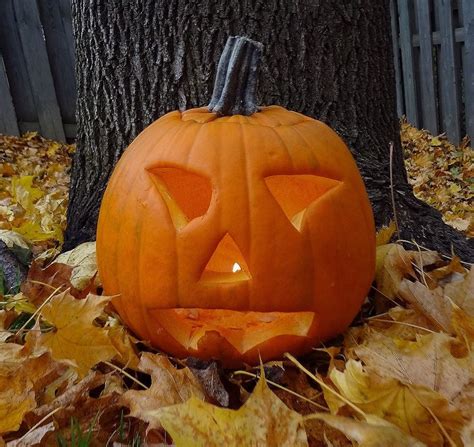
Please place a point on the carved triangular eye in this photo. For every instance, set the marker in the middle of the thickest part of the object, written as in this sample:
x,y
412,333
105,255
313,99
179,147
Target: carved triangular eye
x,y
186,194
227,264
294,193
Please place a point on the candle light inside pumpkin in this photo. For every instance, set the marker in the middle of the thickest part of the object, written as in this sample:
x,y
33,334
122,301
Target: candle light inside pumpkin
x,y
236,268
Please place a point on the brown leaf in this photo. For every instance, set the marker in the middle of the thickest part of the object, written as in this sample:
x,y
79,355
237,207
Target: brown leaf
x,y
210,381
169,386
73,398
40,283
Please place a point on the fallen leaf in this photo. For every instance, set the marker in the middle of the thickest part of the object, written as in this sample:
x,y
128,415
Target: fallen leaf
x,y
6,318
427,361
126,351
373,432
169,386
16,399
210,380
33,437
385,233
393,264
83,261
463,325
262,420
461,292
430,303
75,336
402,405
17,244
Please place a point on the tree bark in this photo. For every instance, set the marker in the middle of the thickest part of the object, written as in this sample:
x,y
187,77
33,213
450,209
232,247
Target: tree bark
x,y
137,60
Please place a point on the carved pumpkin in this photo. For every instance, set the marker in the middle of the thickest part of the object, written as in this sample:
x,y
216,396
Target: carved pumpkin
x,y
233,232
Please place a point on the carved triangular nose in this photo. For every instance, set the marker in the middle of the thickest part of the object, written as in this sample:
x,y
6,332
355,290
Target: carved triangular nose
x,y
226,264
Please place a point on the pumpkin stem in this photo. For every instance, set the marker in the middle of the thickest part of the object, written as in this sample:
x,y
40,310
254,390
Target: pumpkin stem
x,y
236,78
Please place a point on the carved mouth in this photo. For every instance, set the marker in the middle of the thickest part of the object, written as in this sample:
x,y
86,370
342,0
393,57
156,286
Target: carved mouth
x,y
243,330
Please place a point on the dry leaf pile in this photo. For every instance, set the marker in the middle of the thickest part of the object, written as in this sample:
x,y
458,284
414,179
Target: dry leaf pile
x,y
34,181
71,373
441,174
404,376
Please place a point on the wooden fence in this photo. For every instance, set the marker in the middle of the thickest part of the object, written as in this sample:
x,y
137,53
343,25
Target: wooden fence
x,y
37,80
433,42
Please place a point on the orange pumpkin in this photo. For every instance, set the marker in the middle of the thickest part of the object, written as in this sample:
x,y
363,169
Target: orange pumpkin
x,y
236,233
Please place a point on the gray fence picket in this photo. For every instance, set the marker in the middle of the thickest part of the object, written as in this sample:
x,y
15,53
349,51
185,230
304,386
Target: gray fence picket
x,y
396,56
66,16
39,71
449,85
8,124
408,63
468,72
427,88
14,60
60,58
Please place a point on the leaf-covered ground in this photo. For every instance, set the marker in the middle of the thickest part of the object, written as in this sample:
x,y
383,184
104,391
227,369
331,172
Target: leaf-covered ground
x,y
71,374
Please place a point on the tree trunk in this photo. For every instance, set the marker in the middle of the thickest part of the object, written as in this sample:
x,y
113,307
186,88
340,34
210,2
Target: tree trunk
x,y
137,60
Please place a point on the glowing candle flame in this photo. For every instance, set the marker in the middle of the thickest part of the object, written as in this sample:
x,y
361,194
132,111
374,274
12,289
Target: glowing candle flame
x,y
236,268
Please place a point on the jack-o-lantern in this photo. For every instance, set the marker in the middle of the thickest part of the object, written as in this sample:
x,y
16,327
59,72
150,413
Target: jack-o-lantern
x,y
236,232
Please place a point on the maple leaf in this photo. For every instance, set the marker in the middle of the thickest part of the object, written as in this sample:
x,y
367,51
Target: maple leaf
x,y
169,386
373,432
428,361
411,408
75,337
262,420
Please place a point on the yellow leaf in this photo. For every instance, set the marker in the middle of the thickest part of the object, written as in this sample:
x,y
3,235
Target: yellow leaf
x,y
16,399
402,405
34,232
264,420
24,192
373,432
76,337
20,303
385,234
435,141
53,148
